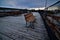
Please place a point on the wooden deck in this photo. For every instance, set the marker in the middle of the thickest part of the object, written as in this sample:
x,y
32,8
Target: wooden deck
x,y
13,28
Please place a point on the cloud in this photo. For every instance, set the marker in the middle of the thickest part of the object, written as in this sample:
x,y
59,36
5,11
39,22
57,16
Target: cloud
x,y
22,3
25,3
15,4
12,3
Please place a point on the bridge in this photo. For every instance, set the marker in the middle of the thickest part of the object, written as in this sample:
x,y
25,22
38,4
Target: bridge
x,y
47,26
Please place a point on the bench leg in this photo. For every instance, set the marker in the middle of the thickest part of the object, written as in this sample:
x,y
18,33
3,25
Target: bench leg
x,y
32,25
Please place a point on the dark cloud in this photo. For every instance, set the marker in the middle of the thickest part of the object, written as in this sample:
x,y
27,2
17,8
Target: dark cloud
x,y
26,3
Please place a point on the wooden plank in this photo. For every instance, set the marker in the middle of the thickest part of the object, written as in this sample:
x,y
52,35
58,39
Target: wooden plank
x,y
51,25
54,17
54,28
29,17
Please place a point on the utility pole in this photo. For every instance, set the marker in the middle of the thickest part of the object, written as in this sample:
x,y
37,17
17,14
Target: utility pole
x,y
45,4
45,8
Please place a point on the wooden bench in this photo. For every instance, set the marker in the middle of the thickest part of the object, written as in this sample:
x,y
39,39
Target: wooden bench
x,y
29,17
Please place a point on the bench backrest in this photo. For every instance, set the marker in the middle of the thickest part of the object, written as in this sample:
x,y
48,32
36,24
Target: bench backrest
x,y
29,17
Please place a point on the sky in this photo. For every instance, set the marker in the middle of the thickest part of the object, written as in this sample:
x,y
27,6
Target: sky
x,y
25,3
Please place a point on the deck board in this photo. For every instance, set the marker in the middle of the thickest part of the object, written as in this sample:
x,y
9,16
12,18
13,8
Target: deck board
x,y
14,27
